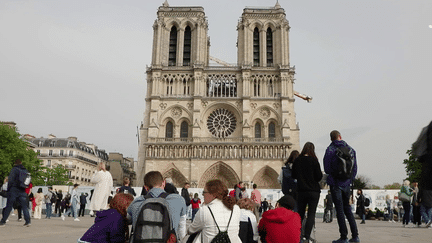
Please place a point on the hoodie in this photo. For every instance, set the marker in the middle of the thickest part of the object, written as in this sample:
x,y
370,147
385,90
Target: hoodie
x,y
280,225
108,227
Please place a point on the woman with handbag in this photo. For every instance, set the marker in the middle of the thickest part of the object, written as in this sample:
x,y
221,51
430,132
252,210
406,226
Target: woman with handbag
x,y
405,196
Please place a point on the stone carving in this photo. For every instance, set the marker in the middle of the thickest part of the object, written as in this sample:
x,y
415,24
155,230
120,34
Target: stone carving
x,y
176,112
265,112
253,106
163,106
204,103
190,106
276,105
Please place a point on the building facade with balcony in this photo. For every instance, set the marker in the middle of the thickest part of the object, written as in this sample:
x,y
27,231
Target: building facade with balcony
x,y
230,122
121,167
79,158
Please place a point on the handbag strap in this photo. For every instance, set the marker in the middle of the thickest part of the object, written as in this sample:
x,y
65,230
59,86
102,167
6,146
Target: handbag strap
x,y
215,219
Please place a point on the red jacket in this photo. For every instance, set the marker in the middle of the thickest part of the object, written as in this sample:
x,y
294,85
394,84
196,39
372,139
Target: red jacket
x,y
280,225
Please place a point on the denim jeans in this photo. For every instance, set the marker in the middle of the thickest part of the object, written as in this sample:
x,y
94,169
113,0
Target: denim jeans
x,y
75,208
16,195
341,196
426,213
48,210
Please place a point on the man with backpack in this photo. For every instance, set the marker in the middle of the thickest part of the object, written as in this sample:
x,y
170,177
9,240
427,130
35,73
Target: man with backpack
x,y
19,180
164,212
49,200
340,164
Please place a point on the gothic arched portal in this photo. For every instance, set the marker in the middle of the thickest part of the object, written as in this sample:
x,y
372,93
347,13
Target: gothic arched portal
x,y
266,178
178,178
221,171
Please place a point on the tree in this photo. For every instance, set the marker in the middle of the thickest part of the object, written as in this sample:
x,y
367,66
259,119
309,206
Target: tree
x,y
360,182
55,176
12,147
393,186
413,167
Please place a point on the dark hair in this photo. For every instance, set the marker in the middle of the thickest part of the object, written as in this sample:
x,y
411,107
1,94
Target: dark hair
x,y
18,161
254,186
152,179
126,181
334,135
287,202
39,190
309,149
360,190
50,187
294,154
220,191
75,185
187,183
121,202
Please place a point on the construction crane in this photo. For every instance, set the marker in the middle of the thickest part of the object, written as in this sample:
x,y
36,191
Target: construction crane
x,y
302,96
220,62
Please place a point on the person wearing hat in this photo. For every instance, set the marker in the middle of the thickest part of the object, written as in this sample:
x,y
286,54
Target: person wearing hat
x,y
281,224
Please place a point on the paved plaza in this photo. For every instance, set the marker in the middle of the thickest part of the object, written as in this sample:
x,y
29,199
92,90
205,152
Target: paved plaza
x,y
55,230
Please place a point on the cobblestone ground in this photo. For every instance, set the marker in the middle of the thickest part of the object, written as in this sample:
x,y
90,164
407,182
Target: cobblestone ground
x,y
56,230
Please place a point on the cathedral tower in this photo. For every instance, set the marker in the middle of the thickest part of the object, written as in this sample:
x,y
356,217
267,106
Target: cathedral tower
x,y
234,123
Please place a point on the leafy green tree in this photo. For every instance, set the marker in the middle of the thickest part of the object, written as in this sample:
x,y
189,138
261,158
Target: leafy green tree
x,y
13,147
413,167
55,176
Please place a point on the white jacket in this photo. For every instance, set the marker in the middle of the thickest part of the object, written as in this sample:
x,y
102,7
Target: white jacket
x,y
205,224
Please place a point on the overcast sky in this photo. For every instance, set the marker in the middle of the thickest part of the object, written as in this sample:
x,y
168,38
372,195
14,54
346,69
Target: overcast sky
x,y
77,68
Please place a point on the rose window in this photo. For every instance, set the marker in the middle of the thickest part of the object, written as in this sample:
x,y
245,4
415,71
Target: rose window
x,y
221,123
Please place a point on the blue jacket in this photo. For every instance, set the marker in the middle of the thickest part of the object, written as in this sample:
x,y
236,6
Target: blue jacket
x,y
14,177
330,163
109,226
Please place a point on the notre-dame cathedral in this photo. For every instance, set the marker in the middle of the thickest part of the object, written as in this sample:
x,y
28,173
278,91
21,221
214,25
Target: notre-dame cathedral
x,y
204,121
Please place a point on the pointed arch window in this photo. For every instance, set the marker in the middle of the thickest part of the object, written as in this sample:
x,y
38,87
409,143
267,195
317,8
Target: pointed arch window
x,y
256,47
187,46
184,130
269,40
272,131
169,131
257,130
172,58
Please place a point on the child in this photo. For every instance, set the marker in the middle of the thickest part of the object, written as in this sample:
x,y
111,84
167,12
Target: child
x,y
195,202
280,224
110,225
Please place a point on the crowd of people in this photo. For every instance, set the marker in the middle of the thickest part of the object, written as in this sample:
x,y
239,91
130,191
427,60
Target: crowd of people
x,y
222,215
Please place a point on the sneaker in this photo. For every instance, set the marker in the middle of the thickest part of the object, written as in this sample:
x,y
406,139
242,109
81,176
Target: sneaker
x,y
429,224
77,219
340,240
19,220
63,217
27,225
2,224
356,239
362,222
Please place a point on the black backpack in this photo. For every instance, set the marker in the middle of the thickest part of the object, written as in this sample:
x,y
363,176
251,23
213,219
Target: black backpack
x,y
289,185
154,223
344,163
53,197
222,236
367,202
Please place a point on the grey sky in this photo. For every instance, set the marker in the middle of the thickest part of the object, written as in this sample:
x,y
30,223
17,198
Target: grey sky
x,y
77,68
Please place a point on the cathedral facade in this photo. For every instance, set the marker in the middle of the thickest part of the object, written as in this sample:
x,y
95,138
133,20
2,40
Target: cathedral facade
x,y
230,122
